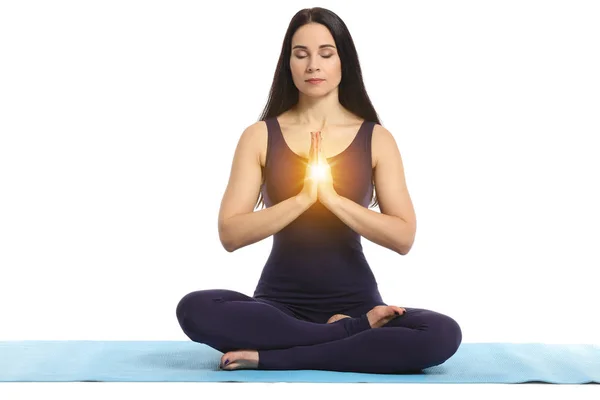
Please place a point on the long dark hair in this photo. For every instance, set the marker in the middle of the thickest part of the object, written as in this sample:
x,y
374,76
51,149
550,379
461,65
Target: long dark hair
x,y
352,93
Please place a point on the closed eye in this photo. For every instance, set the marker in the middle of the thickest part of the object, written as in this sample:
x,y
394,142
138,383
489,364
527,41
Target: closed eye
x,y
321,56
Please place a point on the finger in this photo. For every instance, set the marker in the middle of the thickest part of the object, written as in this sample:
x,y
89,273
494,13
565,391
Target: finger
x,y
321,135
321,156
311,151
319,148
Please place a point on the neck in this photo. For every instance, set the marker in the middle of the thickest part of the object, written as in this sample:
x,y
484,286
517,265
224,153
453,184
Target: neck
x,y
317,112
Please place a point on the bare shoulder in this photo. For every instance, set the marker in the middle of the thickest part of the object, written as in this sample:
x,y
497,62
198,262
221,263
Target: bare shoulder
x,y
383,144
254,133
255,137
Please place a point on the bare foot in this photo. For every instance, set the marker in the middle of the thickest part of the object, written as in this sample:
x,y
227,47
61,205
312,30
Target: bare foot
x,y
381,315
241,359
337,317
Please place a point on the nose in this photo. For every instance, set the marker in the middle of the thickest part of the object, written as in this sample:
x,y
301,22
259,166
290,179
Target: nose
x,y
312,69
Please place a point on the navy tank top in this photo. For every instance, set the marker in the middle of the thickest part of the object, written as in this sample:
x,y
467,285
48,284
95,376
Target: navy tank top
x,y
317,262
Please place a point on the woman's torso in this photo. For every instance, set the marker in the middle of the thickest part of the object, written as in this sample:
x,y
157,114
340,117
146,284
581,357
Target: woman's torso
x,y
317,261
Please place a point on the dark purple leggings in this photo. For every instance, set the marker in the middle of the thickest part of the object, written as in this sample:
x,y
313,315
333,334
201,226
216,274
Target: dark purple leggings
x,y
227,320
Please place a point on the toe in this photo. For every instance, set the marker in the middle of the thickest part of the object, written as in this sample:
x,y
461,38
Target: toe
x,y
226,360
398,310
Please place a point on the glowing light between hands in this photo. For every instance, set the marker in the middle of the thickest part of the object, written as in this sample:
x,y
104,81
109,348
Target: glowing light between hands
x,y
318,171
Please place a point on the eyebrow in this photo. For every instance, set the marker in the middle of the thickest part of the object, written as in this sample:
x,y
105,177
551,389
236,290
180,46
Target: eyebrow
x,y
299,46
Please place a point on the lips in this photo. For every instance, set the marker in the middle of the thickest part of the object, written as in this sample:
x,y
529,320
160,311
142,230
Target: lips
x,y
315,80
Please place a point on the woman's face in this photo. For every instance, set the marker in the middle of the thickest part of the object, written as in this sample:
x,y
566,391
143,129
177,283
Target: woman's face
x,y
314,55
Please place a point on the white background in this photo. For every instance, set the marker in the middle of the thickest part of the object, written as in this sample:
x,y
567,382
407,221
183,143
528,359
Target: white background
x,y
119,120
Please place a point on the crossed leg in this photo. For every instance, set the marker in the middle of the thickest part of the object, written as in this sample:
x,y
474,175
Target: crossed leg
x,y
417,340
230,321
227,320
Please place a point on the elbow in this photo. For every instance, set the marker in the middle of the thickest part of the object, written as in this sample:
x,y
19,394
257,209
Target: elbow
x,y
226,239
403,246
228,246
402,250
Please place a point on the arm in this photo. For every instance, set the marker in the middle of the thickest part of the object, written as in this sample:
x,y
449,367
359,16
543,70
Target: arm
x,y
239,225
395,227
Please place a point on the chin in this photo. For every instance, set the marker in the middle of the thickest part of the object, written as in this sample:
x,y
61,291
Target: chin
x,y
316,92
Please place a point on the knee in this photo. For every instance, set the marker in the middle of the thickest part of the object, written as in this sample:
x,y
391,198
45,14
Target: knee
x,y
446,337
185,307
192,305
199,306
451,332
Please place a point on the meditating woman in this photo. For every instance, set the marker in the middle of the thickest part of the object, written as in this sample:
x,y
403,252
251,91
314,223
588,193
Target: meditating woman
x,y
314,159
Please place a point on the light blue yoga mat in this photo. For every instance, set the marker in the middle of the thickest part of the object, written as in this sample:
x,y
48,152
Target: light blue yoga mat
x,y
186,361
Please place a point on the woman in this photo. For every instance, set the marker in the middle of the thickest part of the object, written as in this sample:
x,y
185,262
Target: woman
x,y
317,305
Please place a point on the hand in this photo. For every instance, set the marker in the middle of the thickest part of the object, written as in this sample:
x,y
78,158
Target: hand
x,y
309,192
322,172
